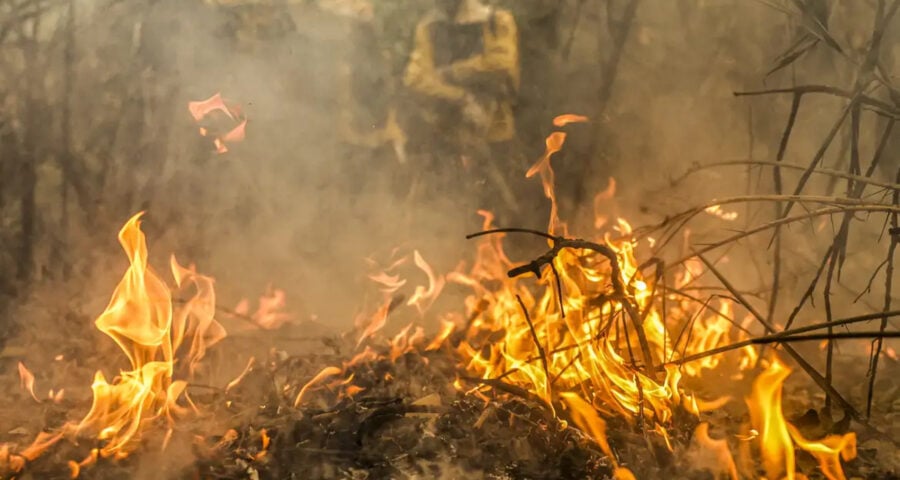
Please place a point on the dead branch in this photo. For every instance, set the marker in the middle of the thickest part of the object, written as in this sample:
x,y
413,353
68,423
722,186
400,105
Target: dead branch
x,y
828,336
763,163
537,343
784,333
806,366
560,243
881,108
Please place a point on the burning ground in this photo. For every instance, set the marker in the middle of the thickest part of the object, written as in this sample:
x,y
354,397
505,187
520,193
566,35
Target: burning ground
x,y
593,359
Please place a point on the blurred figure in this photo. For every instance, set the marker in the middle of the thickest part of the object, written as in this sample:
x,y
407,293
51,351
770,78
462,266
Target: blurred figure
x,y
464,74
372,142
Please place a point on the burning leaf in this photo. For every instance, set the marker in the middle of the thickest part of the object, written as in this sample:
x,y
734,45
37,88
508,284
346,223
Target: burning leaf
x,y
200,109
26,381
203,108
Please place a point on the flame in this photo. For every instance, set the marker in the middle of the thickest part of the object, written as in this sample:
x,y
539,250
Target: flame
x,y
565,119
423,297
26,380
777,437
767,418
321,376
237,380
141,319
554,143
270,315
376,322
201,109
715,455
600,218
447,327
581,349
717,211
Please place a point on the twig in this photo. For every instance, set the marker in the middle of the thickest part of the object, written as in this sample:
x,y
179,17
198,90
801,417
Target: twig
x,y
738,345
510,389
882,108
807,295
888,291
537,343
763,163
776,177
813,374
785,221
827,336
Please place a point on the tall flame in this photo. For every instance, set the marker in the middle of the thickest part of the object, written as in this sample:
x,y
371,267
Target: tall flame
x,y
140,318
777,437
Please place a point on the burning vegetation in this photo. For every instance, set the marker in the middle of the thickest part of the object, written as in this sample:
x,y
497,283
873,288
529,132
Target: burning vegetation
x,y
599,345
576,351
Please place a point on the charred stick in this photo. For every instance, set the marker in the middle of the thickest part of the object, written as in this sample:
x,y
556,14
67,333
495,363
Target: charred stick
x,y
826,336
766,339
559,294
510,389
537,343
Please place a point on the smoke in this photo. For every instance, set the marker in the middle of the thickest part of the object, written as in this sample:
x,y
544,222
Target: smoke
x,y
291,206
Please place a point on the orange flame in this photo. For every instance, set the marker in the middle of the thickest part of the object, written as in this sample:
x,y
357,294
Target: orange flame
x,y
715,454
203,108
141,320
26,380
776,435
567,118
554,144
767,418
321,376
423,297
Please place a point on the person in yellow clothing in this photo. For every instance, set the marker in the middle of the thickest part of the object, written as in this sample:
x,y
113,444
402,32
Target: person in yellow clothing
x,y
463,73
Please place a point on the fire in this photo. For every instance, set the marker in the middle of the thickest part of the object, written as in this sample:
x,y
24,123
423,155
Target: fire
x,y
201,109
777,437
142,319
713,454
270,314
26,380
